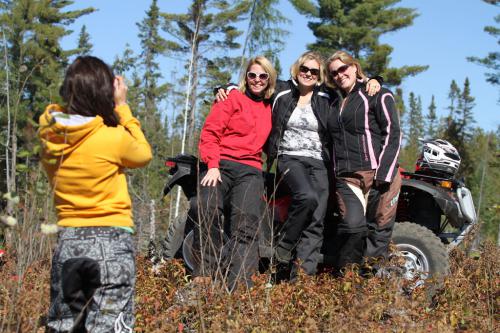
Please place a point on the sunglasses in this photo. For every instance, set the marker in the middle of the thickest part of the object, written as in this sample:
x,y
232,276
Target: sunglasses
x,y
253,76
340,70
305,69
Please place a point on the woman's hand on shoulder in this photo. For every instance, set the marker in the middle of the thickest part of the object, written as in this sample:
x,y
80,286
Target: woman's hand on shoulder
x,y
120,93
212,177
222,95
373,87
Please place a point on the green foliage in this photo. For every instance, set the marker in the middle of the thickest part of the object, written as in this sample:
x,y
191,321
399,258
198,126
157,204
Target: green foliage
x,y
84,44
458,127
33,30
33,62
153,45
484,180
263,34
464,113
203,36
400,103
415,119
145,97
431,119
126,62
356,26
492,60
414,129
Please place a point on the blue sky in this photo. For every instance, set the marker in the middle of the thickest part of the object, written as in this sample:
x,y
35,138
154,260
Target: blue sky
x,y
445,33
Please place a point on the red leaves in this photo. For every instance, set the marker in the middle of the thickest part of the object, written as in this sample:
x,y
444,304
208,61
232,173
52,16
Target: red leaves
x,y
467,301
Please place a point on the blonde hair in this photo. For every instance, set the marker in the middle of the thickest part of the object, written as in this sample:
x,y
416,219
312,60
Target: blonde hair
x,y
309,55
267,67
347,59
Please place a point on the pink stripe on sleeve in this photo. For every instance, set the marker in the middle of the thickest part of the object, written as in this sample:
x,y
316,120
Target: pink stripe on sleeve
x,y
388,129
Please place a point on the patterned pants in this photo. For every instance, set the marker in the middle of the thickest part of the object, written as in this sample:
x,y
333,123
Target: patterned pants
x,y
92,281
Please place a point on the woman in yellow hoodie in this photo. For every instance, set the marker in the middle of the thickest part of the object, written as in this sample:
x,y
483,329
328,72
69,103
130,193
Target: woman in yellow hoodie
x,y
86,146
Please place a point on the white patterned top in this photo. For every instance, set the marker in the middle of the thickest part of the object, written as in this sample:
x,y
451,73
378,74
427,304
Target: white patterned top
x,y
301,136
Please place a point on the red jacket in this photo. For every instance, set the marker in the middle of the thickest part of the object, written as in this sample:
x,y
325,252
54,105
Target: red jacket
x,y
235,129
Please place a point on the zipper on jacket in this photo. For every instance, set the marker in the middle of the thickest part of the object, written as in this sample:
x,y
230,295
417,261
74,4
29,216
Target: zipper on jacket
x,y
341,125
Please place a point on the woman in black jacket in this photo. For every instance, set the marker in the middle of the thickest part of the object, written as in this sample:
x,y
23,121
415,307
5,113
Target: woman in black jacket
x,y
300,142
366,137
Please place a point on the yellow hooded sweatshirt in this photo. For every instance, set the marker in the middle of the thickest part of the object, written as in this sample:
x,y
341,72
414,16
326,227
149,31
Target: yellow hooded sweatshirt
x,y
85,161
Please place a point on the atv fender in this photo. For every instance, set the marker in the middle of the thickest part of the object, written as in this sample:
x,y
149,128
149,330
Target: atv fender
x,y
182,171
186,174
448,205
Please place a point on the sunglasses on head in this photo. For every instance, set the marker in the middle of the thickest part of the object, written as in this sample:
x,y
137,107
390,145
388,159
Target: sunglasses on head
x,y
305,69
339,70
253,76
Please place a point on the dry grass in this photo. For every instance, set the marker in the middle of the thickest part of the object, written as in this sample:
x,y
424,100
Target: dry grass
x,y
467,302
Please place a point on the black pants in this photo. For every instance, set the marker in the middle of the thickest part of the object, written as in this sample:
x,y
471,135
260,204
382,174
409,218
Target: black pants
x,y
229,247
302,233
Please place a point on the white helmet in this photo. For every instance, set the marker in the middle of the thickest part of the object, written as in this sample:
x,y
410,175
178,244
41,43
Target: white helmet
x,y
439,155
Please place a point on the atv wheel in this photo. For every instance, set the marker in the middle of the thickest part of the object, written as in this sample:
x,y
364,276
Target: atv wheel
x,y
190,256
423,253
172,244
188,253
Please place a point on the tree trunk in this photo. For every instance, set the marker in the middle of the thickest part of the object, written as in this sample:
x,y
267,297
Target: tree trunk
x,y
192,102
194,56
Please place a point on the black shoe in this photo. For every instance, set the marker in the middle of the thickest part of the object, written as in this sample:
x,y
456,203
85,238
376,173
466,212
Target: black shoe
x,y
282,273
282,256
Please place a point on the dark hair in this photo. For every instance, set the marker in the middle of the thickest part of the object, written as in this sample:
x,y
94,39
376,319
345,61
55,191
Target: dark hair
x,y
88,89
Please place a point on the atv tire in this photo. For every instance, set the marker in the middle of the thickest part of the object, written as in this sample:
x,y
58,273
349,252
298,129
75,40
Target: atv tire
x,y
171,245
423,251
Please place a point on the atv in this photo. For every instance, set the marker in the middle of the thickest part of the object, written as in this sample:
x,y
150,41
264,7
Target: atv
x,y
435,212
178,242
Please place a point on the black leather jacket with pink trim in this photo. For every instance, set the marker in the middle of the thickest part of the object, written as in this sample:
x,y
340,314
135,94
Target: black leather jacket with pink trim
x,y
366,133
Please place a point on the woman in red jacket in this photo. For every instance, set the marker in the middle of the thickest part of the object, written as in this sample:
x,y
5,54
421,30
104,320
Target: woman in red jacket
x,y
231,145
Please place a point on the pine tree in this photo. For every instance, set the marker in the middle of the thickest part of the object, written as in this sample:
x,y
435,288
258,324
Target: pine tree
x,y
153,46
356,26
126,62
264,34
431,119
414,130
33,31
151,91
460,120
34,62
84,44
464,113
492,60
203,36
449,126
415,119
147,94
459,124
400,103
484,180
